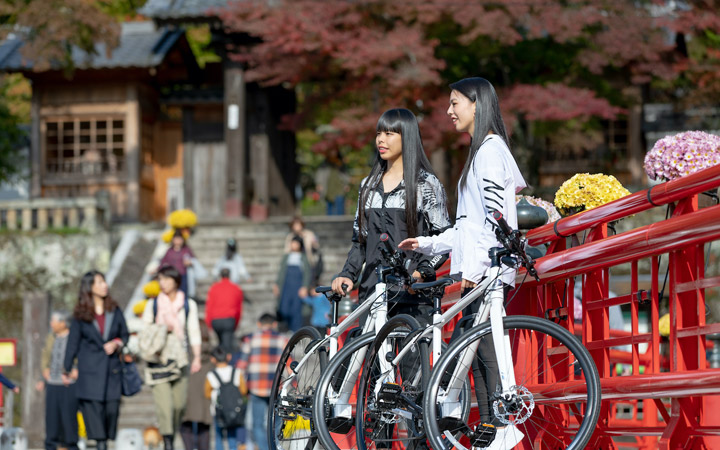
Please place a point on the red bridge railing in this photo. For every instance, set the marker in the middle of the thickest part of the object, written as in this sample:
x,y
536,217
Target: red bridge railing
x,y
668,396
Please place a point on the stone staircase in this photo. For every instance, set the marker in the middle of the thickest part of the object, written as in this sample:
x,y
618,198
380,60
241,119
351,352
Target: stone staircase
x,y
261,246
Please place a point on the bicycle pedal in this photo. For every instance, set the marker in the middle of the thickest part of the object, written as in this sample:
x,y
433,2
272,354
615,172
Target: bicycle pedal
x,y
484,434
389,394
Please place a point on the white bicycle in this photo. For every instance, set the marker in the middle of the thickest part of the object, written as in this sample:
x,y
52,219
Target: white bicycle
x,y
547,388
305,359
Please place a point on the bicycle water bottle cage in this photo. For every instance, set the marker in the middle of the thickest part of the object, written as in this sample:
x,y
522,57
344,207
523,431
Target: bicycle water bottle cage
x,y
483,435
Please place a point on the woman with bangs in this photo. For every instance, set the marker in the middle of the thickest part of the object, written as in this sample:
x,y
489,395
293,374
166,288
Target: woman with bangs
x,y
401,197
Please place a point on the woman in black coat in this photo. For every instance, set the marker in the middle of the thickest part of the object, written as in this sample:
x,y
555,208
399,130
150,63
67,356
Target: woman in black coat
x,y
97,334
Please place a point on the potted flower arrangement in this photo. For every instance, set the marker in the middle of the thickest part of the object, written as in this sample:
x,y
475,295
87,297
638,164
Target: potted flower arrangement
x,y
181,219
682,154
587,191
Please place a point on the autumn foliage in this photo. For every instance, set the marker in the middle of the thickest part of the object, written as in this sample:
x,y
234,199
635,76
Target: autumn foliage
x,y
550,60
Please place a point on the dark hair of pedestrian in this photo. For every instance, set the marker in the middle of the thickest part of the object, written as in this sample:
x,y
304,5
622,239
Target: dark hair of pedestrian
x,y
230,249
225,273
179,234
267,319
487,116
299,240
296,219
219,354
85,307
171,272
403,122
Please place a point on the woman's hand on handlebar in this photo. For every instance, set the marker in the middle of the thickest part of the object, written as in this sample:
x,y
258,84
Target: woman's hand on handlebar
x,y
409,244
337,285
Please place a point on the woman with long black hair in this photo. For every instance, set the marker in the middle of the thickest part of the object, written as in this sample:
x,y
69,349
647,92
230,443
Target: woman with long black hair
x,y
401,197
489,181
97,334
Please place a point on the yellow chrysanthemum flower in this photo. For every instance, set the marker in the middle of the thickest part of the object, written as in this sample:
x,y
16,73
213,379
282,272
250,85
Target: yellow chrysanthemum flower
x,y
664,325
182,218
151,289
139,307
587,191
168,235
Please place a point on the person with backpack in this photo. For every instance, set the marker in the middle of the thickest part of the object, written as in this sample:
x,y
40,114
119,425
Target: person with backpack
x,y
172,330
259,357
226,389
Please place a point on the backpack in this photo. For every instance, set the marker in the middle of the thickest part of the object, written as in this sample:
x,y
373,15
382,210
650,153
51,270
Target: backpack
x,y
230,404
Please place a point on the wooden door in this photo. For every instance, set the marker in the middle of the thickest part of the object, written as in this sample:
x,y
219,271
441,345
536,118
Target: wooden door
x,y
206,178
167,164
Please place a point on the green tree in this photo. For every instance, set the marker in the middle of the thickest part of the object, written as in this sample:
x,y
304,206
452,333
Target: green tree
x,y
10,137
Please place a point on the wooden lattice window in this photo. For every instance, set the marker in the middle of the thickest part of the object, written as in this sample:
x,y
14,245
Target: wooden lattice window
x,y
84,146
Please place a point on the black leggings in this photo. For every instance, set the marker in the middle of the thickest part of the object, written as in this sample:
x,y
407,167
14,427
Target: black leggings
x,y
486,372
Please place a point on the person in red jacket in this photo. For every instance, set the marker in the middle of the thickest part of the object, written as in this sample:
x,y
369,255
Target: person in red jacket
x,y
223,310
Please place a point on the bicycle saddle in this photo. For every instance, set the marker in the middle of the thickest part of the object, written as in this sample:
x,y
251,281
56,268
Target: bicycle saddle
x,y
442,282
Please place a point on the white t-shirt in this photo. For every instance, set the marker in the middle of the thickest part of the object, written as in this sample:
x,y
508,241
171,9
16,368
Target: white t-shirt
x,y
224,373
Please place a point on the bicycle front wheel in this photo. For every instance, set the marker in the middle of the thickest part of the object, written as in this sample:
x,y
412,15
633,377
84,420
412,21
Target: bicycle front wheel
x,y
291,397
389,400
335,399
554,403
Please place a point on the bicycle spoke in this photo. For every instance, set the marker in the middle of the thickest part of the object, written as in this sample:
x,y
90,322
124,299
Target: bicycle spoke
x,y
546,358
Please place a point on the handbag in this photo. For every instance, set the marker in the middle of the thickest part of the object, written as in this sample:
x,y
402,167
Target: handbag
x,y
131,380
151,341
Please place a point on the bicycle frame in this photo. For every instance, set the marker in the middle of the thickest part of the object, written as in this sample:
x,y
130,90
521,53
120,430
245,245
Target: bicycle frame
x,y
377,307
492,308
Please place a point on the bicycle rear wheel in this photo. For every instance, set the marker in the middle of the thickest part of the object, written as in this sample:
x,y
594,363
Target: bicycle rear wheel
x,y
334,411
290,411
390,398
555,402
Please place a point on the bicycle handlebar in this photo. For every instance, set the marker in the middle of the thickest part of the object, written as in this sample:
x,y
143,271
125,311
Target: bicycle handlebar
x,y
512,241
395,259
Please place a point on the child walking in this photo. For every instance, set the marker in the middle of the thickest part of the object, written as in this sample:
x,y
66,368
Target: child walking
x,y
226,389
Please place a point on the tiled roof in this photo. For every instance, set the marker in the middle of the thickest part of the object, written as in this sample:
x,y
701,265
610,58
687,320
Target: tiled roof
x,y
181,9
141,45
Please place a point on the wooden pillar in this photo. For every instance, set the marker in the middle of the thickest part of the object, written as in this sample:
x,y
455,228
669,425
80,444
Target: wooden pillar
x,y
132,152
235,134
36,307
260,165
36,156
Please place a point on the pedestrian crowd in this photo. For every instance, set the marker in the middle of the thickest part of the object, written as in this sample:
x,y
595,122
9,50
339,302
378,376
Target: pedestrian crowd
x,y
88,362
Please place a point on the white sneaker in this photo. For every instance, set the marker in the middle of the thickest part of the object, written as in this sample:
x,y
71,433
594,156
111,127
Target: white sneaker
x,y
506,438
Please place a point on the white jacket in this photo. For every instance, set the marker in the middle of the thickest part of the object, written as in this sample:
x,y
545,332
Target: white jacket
x,y
492,183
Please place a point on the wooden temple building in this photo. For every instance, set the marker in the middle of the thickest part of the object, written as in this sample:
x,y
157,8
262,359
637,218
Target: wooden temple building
x,y
153,130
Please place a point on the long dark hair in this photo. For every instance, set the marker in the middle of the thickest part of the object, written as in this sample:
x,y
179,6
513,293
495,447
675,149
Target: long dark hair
x,y
403,122
85,307
487,116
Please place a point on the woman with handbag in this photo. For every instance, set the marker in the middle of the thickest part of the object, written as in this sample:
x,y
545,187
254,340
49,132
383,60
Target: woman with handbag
x,y
168,372
97,334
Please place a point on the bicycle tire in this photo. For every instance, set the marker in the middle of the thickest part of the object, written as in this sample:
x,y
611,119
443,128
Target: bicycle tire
x,y
397,420
561,402
336,433
289,418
